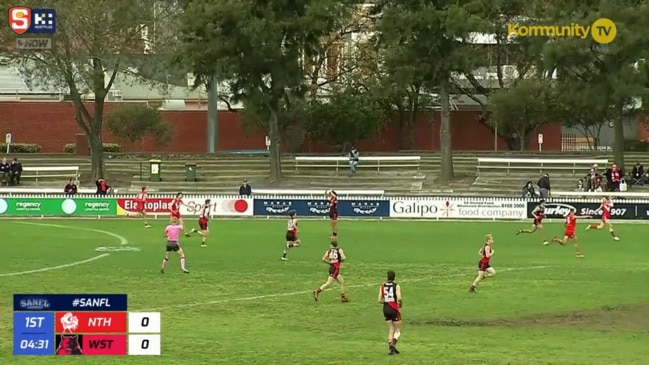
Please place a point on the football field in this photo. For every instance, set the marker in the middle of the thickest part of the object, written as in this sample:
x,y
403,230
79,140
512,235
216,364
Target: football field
x,y
242,305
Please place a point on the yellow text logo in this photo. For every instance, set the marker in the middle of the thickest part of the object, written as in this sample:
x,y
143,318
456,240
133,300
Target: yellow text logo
x,y
602,31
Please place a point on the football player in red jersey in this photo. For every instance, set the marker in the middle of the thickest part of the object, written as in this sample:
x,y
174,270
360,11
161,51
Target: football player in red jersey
x,y
140,203
606,207
390,297
175,211
569,234
292,239
203,221
333,257
333,212
538,213
484,265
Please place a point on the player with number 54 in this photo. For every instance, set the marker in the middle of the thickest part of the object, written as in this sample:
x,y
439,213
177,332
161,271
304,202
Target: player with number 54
x,y
144,333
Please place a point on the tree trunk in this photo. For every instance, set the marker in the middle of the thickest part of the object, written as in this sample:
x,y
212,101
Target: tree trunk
x,y
275,151
402,124
445,131
96,153
412,121
618,145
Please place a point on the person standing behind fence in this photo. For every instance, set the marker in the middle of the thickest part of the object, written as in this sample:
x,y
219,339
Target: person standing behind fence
x,y
245,189
545,189
353,161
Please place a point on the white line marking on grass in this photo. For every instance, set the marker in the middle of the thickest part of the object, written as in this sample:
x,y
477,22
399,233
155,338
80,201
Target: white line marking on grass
x,y
57,267
122,240
290,294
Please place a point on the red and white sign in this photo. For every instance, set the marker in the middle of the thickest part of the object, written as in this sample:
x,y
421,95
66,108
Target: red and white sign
x,y
20,19
221,207
152,205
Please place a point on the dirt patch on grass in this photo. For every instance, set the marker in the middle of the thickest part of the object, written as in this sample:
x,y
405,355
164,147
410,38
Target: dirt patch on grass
x,y
632,318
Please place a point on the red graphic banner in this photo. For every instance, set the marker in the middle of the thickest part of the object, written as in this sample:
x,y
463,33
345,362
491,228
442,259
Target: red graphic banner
x,y
91,322
152,205
105,345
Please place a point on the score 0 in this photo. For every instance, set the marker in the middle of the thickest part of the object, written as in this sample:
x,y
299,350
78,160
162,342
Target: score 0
x,y
139,322
144,333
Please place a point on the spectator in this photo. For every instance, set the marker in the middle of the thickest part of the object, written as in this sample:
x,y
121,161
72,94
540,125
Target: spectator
x,y
594,179
528,191
544,186
353,161
16,169
638,176
5,171
614,176
580,185
102,186
245,189
70,188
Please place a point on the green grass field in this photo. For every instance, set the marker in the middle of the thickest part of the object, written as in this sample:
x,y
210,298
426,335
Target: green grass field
x,y
242,305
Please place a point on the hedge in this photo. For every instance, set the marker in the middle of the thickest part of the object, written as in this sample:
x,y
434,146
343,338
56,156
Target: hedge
x,y
108,147
21,148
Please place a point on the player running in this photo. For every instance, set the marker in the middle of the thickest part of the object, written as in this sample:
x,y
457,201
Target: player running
x,y
292,240
333,212
538,213
606,207
140,204
175,211
571,226
334,258
390,297
484,265
203,221
172,232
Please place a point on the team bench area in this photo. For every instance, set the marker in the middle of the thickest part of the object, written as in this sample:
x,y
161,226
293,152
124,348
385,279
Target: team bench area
x,y
540,165
378,163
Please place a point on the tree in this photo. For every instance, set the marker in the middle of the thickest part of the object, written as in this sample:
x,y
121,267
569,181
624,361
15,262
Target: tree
x,y
95,41
345,117
611,65
585,107
522,109
433,34
497,60
257,46
134,122
402,87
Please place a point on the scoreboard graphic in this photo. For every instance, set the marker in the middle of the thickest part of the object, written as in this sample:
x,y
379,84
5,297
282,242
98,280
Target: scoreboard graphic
x,y
84,325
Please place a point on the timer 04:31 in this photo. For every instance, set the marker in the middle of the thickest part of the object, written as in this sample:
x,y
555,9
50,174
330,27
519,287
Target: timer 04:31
x,y
34,344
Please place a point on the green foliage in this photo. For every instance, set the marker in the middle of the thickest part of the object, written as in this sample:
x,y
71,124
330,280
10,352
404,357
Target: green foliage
x,y
21,148
108,147
94,42
345,117
520,110
586,107
257,46
607,68
134,122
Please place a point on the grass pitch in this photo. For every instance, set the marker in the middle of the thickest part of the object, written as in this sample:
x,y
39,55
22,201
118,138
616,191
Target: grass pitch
x,y
242,305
